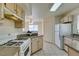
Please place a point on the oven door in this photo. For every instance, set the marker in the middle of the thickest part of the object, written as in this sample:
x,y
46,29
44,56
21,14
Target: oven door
x,y
26,51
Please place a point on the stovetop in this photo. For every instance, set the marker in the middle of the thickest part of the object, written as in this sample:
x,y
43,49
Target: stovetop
x,y
13,43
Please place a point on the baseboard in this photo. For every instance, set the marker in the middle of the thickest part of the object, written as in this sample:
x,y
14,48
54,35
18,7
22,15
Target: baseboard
x,y
36,51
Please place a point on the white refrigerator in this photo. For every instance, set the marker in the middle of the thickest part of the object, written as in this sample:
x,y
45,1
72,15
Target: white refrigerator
x,y
60,31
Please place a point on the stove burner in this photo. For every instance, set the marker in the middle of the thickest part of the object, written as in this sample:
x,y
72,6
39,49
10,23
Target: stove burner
x,y
12,44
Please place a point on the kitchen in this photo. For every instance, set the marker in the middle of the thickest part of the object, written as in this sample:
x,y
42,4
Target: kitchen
x,y
13,38
30,29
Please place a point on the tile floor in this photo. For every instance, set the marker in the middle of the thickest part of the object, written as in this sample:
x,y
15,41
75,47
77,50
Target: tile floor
x,y
50,49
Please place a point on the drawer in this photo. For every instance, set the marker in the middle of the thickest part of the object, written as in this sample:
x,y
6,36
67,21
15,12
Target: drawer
x,y
75,44
66,48
68,41
73,52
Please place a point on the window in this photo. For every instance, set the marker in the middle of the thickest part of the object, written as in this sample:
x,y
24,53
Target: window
x,y
33,27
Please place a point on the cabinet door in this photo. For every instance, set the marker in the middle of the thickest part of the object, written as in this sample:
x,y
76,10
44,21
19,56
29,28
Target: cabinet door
x,y
62,20
72,52
0,10
68,41
18,24
19,11
66,48
66,19
40,43
34,45
23,14
17,54
11,6
70,18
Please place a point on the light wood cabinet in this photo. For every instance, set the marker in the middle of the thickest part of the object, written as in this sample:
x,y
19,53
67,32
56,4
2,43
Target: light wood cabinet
x,y
68,41
14,12
66,48
23,14
34,47
19,11
0,10
15,8
65,19
69,46
40,43
73,52
61,20
11,6
19,24
37,44
17,54
70,18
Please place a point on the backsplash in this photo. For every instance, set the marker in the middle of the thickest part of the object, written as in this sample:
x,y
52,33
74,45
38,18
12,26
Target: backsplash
x,y
8,30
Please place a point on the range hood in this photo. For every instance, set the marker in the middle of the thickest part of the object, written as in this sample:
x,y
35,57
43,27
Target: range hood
x,y
10,16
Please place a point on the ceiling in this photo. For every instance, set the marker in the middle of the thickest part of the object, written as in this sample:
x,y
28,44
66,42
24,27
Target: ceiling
x,y
66,7
40,10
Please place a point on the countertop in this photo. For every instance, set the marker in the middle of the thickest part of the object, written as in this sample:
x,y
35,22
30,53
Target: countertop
x,y
72,41
73,37
26,37
8,51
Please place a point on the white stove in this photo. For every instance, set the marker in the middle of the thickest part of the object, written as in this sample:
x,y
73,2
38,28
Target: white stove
x,y
23,45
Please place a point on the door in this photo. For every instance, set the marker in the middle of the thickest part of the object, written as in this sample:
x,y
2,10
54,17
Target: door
x,y
34,44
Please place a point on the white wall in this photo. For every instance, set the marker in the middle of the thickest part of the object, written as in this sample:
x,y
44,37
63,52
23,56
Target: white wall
x,y
26,26
40,28
49,29
8,30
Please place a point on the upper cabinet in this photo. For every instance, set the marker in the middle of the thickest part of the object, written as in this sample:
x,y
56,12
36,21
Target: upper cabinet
x,y
11,6
70,18
0,10
66,19
19,24
13,11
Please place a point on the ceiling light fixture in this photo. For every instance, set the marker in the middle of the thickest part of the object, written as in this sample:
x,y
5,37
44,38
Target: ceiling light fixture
x,y
55,6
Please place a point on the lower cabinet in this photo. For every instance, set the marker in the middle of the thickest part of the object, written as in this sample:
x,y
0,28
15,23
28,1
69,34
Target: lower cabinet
x,y
73,52
19,24
40,43
17,54
34,45
66,48
37,44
